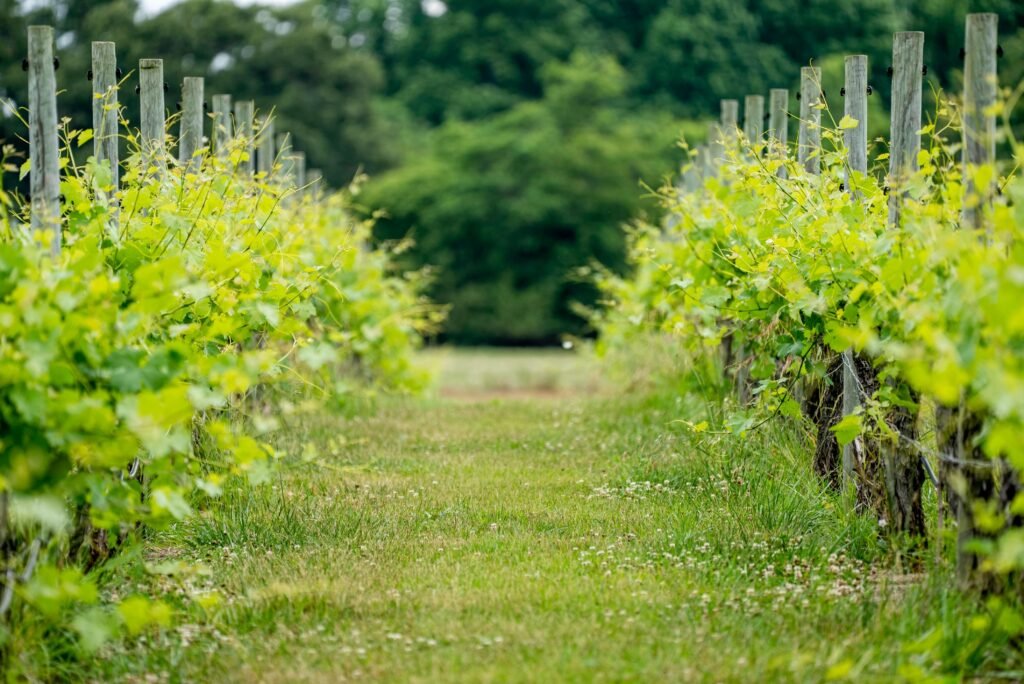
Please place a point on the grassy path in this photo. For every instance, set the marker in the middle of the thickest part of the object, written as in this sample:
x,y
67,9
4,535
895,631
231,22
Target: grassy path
x,y
546,537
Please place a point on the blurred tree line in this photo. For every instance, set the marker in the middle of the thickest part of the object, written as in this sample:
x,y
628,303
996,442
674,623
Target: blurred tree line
x,y
510,138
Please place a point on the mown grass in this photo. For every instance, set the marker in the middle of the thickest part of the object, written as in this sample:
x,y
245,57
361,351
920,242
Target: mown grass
x,y
488,373
566,538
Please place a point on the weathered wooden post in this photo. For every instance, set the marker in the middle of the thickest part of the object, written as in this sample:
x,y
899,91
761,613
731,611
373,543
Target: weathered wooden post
x,y
728,125
316,181
222,130
697,160
979,121
856,107
856,141
192,116
722,135
753,131
104,111
975,481
44,178
299,161
809,142
904,475
700,165
727,139
152,112
266,147
707,165
284,154
822,399
905,119
778,124
684,183
244,112
753,119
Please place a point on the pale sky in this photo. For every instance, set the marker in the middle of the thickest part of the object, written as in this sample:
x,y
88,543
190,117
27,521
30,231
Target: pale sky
x,y
152,7
434,8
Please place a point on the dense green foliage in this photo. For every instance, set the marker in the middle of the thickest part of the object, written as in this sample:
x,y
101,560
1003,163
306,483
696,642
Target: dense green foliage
x,y
412,86
794,270
526,197
146,366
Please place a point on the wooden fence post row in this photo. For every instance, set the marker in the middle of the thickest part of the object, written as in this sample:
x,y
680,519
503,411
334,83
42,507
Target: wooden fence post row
x,y
904,467
44,141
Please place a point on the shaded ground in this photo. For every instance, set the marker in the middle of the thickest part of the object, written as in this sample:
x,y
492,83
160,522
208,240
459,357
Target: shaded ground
x,y
560,537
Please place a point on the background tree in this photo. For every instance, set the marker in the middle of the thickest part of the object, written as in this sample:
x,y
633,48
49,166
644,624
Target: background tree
x,y
507,208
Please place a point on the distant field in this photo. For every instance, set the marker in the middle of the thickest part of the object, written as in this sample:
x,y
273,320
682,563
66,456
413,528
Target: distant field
x,y
481,373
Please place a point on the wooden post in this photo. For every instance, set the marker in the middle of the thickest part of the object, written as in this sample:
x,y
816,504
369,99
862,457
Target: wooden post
x,y
856,101
975,472
979,121
44,178
809,143
284,154
822,399
905,120
753,131
730,111
244,112
684,183
316,181
778,124
266,147
707,166
728,125
299,161
222,130
904,475
727,138
753,119
856,140
699,170
152,111
104,111
192,117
